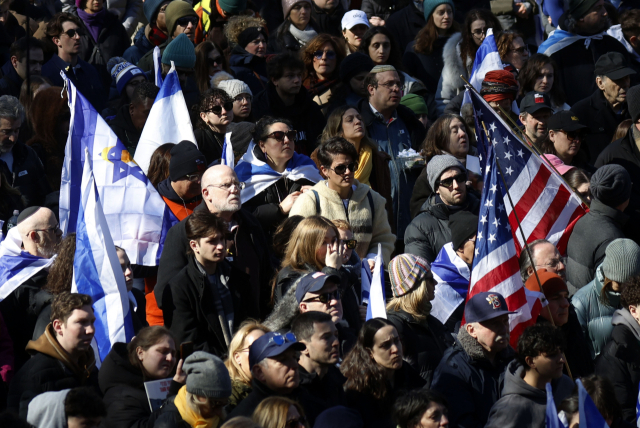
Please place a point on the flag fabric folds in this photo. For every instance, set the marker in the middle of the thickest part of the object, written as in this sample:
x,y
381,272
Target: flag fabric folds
x,y
376,307
168,121
590,416
452,277
258,175
551,413
227,152
137,216
97,271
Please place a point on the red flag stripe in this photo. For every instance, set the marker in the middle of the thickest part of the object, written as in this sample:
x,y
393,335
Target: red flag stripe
x,y
532,194
551,215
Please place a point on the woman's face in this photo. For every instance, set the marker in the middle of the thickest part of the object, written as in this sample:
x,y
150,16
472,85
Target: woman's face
x,y
223,119
566,144
354,35
346,166
159,360
242,355
132,85
458,142
93,6
434,417
300,15
278,150
544,81
517,54
584,190
214,61
478,31
346,235
329,238
352,125
380,49
324,61
257,47
242,106
443,17
387,348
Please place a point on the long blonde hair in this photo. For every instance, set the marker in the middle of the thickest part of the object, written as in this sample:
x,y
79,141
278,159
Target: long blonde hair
x,y
237,345
413,302
305,240
272,412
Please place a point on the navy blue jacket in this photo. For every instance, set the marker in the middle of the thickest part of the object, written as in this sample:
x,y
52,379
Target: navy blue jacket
x,y
11,82
84,76
141,45
249,68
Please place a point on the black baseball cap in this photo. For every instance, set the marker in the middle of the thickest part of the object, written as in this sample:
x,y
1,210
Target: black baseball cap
x,y
485,306
565,120
313,282
272,344
613,65
534,101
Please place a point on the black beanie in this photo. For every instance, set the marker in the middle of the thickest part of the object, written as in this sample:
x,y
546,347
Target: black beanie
x,y
611,185
633,102
353,64
250,34
185,159
463,225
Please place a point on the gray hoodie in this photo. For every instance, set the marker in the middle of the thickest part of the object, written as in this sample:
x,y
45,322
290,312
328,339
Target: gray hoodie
x,y
522,405
47,410
624,317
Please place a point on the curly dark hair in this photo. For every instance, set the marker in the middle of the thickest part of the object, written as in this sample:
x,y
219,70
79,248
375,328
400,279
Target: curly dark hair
x,y
631,292
530,72
207,100
539,339
61,272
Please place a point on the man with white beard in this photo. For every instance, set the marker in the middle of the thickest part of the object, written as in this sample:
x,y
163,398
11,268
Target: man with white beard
x,y
36,237
247,246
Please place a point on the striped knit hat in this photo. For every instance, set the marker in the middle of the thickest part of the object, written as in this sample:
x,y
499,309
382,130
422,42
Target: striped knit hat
x,y
406,271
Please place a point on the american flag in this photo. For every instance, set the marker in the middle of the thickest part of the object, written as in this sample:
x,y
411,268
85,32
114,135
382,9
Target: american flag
x,y
546,207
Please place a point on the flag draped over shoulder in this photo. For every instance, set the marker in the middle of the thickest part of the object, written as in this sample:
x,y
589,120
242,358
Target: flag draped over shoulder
x,y
452,276
168,121
258,175
97,271
560,39
137,216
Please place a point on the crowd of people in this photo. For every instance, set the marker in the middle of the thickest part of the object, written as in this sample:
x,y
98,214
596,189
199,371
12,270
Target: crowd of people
x,y
352,144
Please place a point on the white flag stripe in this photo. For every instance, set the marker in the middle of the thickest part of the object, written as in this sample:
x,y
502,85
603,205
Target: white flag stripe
x,y
496,258
522,183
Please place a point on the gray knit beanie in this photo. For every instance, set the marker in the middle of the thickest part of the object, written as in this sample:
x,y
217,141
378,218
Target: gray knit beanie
x,y
438,164
611,185
207,375
633,102
621,260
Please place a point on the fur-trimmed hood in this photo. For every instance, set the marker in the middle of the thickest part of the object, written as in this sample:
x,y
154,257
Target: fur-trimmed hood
x,y
285,310
476,352
453,67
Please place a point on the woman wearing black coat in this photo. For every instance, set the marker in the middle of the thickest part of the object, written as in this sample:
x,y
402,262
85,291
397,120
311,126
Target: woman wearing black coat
x,y
297,29
248,58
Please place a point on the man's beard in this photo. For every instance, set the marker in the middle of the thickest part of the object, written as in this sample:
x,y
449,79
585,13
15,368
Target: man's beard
x,y
47,251
227,206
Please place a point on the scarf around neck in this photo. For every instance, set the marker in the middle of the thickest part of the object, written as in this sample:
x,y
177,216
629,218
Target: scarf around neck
x,y
302,36
365,165
192,418
93,21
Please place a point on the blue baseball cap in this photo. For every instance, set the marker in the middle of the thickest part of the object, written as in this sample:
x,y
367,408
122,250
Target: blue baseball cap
x,y
272,344
312,282
485,306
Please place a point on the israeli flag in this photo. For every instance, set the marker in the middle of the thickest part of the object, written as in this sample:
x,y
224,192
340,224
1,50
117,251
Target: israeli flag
x,y
138,218
377,307
227,152
452,276
365,278
96,270
258,175
590,416
638,411
560,39
17,265
551,413
157,66
168,121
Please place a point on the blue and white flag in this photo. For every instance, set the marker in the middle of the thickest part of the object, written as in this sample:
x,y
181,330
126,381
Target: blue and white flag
x,y
157,66
560,39
168,121
365,277
138,218
258,175
17,265
590,416
638,411
227,152
97,271
452,276
551,413
377,307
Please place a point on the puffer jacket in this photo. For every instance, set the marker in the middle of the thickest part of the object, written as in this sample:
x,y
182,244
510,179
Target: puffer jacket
x,y
450,83
593,314
522,404
423,343
429,230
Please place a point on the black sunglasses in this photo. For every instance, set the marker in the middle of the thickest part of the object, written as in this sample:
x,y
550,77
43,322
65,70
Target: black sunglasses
x,y
217,110
72,33
342,168
279,136
319,54
448,182
212,62
185,20
350,243
325,298
575,135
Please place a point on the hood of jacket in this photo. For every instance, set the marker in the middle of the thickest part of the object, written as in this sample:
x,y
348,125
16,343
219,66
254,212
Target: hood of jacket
x,y
47,410
117,370
624,317
285,310
514,384
166,190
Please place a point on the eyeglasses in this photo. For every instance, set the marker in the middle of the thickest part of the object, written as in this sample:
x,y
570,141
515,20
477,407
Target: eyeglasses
x,y
448,182
55,229
228,186
296,422
72,33
243,97
185,20
212,62
575,135
553,263
279,136
217,110
479,33
325,298
329,54
392,84
350,243
521,50
342,168
194,177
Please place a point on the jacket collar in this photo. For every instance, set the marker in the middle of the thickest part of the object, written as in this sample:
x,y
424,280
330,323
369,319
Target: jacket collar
x,y
599,208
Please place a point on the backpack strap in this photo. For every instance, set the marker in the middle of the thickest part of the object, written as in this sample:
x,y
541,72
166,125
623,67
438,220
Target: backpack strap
x,y
373,210
315,193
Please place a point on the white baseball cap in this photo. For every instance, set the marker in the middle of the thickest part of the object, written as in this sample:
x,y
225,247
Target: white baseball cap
x,y
353,18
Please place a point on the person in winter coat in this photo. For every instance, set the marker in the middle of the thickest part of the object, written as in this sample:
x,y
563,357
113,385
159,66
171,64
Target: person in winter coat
x,y
539,361
424,337
596,302
365,208
15,70
151,355
215,113
611,190
538,75
274,150
125,77
200,403
151,35
206,299
471,372
247,59
328,16
127,11
297,29
429,230
620,358
405,24
322,57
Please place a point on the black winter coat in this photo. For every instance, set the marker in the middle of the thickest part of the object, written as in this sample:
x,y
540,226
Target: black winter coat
x,y
596,113
208,145
405,25
169,416
423,347
258,393
321,394
123,127
11,82
189,309
330,23
27,175
249,68
282,41
426,68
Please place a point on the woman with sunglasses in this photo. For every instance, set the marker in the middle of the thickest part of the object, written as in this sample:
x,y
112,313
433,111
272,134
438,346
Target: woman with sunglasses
x,y
238,361
376,374
248,57
215,113
210,60
322,58
280,412
274,174
242,98
297,30
512,49
343,197
564,139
